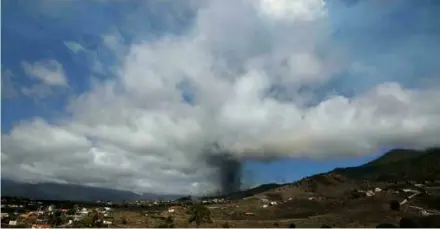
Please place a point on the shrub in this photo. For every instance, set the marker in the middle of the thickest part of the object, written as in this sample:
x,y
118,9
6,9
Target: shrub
x,y
199,214
394,205
292,225
169,222
355,194
225,225
432,202
124,221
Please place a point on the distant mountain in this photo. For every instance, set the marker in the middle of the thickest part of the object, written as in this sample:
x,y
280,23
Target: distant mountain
x,y
398,164
53,191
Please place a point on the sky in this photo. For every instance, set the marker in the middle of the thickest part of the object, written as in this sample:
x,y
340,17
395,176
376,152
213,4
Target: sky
x,y
130,94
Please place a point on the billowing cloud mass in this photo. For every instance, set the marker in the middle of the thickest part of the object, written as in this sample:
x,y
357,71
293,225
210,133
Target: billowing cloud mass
x,y
247,79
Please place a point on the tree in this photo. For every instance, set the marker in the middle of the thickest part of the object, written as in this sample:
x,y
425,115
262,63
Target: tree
x,y
169,223
12,217
87,221
91,220
199,214
54,219
79,224
70,212
96,219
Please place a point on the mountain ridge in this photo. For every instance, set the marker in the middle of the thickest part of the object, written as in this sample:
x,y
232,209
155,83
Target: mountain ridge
x,y
398,165
73,192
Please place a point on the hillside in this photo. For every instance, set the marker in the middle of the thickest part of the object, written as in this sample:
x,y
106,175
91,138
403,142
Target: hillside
x,y
394,155
53,191
248,192
398,165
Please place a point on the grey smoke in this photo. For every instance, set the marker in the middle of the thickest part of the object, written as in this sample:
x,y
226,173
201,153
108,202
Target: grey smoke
x,y
229,169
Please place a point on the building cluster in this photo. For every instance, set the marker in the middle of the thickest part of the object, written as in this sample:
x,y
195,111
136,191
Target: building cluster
x,y
266,202
215,201
153,203
36,214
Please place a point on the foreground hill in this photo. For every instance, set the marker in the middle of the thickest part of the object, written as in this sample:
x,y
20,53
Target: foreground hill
x,y
53,191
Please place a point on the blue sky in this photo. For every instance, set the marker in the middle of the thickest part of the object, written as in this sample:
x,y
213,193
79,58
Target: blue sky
x,y
37,30
392,41
288,170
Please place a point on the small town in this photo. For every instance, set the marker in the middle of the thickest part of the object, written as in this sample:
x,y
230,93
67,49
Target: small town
x,y
22,212
18,212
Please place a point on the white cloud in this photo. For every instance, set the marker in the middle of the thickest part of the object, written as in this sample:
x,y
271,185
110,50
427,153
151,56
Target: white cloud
x,y
114,42
74,47
135,132
49,72
37,91
293,10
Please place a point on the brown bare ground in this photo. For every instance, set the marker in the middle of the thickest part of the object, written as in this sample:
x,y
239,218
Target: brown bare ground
x,y
332,206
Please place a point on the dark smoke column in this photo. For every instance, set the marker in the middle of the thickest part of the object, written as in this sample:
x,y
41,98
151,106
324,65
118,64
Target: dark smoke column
x,y
229,169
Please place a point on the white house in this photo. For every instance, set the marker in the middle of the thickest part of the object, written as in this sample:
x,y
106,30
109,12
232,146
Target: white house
x,y
108,221
51,208
84,211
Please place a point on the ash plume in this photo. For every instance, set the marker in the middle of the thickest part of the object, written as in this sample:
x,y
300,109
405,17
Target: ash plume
x,y
229,169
